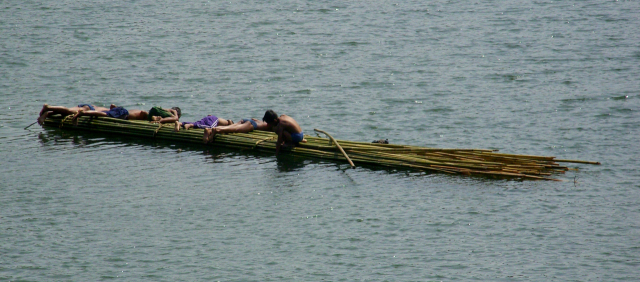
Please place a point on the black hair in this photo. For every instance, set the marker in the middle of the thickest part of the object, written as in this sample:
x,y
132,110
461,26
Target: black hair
x,y
177,110
270,116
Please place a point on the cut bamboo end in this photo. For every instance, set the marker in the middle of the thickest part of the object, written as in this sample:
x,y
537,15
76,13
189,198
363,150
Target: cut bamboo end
x,y
577,162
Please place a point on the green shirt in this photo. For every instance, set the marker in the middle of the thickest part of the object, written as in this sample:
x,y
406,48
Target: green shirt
x,y
158,111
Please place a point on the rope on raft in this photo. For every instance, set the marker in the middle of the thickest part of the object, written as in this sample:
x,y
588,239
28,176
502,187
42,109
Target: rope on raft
x,y
65,119
266,139
158,129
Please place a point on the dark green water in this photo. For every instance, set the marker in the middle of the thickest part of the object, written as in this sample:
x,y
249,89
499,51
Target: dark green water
x,y
553,78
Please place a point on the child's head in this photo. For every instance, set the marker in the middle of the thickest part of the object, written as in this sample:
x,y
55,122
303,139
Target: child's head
x,y
270,117
177,110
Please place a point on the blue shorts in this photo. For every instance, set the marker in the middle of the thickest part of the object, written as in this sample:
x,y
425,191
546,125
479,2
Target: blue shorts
x,y
118,112
297,137
90,106
253,122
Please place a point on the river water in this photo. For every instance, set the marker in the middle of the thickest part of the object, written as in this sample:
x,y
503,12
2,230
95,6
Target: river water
x,y
556,78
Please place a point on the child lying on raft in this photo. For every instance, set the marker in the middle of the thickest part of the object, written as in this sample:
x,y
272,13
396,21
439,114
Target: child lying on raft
x,y
206,122
244,126
112,112
64,111
289,132
161,115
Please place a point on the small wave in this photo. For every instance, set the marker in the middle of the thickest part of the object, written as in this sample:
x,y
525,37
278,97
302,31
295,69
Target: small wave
x,y
623,97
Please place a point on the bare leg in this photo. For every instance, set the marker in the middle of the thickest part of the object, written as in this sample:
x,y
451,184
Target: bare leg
x,y
74,120
63,110
224,122
42,118
87,113
48,110
235,128
205,136
288,141
287,138
209,133
45,108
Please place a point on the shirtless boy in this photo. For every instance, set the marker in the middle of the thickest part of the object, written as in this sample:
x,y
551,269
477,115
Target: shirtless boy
x,y
244,126
64,111
112,112
288,130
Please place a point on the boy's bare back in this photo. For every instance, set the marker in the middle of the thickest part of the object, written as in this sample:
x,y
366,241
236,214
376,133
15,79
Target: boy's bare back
x,y
289,124
137,115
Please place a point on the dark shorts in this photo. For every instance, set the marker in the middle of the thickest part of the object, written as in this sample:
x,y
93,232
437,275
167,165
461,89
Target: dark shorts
x,y
118,112
253,122
297,137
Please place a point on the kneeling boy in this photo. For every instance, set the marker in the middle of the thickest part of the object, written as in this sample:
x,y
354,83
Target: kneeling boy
x,y
288,130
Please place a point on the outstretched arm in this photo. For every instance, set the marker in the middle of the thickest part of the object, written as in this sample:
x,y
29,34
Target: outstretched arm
x,y
170,119
280,131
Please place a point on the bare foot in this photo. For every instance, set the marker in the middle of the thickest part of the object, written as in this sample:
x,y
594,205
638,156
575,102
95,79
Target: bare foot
x,y
42,118
303,140
74,120
45,108
205,136
177,126
112,106
188,126
209,133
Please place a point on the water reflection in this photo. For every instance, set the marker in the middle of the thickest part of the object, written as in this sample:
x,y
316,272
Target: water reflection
x,y
289,163
57,137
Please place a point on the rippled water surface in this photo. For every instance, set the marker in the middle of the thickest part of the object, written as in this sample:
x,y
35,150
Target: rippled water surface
x,y
555,78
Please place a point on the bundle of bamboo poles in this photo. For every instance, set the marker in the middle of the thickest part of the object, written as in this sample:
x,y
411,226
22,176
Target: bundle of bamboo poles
x,y
456,161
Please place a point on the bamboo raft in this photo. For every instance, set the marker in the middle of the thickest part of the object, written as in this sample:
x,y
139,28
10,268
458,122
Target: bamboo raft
x,y
480,162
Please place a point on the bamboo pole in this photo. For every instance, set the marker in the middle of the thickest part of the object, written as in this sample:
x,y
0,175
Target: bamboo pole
x,y
337,145
30,125
577,161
